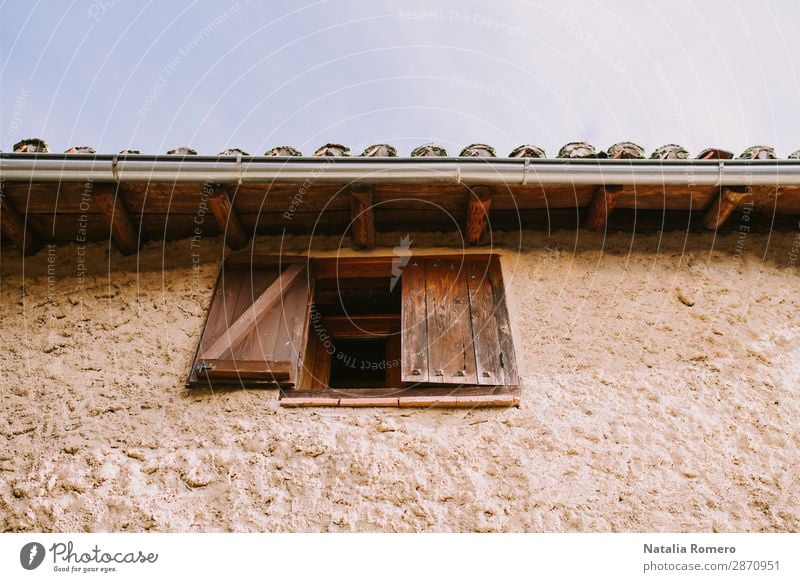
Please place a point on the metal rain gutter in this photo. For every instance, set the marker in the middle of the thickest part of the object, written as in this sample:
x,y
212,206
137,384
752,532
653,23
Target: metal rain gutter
x,y
339,170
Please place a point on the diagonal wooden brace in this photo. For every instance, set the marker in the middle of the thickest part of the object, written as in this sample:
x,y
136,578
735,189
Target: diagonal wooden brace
x,y
112,208
16,229
724,205
229,224
478,206
248,320
604,200
362,218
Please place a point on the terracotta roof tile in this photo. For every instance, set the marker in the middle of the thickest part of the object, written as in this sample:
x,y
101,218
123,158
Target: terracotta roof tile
x,y
332,150
577,149
31,145
527,151
428,150
714,154
478,150
380,150
670,151
182,151
288,151
626,149
758,153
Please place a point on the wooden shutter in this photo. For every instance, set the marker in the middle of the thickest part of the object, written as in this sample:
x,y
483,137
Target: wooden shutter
x,y
256,328
455,327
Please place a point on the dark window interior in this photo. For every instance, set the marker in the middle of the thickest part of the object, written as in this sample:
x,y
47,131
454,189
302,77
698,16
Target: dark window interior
x,y
357,357
358,363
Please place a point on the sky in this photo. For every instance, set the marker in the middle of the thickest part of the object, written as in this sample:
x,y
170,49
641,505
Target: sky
x,y
249,74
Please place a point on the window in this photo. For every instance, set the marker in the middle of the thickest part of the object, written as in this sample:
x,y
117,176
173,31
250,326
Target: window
x,y
372,331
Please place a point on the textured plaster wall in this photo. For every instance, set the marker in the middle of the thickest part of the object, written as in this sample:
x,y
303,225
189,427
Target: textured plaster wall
x,y
660,378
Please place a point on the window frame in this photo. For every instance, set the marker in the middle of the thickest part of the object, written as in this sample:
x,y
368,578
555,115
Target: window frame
x,y
304,392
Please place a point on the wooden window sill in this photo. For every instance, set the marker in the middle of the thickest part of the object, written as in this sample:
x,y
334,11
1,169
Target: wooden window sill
x,y
502,396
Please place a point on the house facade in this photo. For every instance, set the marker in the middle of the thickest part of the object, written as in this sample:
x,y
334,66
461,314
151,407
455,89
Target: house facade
x,y
623,355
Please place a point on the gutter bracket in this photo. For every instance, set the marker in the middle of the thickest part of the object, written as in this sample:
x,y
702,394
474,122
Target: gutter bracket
x,y
239,167
114,168
719,172
458,173
525,172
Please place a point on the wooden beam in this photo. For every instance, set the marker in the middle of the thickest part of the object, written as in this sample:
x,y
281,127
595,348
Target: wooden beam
x,y
723,206
112,207
222,208
604,200
369,326
248,320
362,225
15,228
478,206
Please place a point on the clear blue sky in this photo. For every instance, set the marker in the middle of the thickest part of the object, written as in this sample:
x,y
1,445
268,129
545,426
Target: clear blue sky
x,y
216,74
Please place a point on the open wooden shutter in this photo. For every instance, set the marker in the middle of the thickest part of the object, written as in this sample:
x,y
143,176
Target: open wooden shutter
x,y
455,327
256,328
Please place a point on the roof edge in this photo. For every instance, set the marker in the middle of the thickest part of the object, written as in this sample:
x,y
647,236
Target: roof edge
x,y
437,170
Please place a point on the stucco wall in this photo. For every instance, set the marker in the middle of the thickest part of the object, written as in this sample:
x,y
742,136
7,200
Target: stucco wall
x,y
639,412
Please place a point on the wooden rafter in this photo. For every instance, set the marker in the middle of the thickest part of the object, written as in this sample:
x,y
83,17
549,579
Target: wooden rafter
x,y
478,206
723,206
112,207
229,224
604,200
246,322
362,226
16,229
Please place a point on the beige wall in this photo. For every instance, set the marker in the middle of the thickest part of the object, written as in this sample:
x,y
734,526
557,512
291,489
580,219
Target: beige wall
x,y
638,411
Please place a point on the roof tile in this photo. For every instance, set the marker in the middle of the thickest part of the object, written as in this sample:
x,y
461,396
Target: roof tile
x,y
428,150
478,150
332,150
527,151
380,150
577,149
182,151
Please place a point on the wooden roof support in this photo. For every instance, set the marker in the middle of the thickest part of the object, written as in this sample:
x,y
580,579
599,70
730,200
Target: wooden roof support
x,y
112,207
219,202
15,228
478,206
724,205
362,218
604,200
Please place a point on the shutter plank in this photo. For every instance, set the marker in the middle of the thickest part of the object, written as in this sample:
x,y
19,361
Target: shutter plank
x,y
503,323
451,355
414,323
484,324
223,306
290,339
